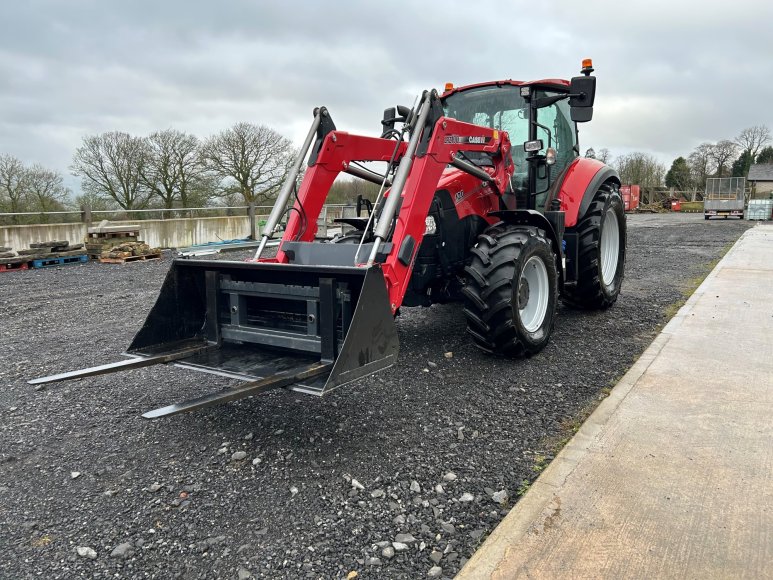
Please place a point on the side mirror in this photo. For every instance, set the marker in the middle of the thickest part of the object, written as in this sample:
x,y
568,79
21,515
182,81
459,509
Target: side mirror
x,y
583,90
388,122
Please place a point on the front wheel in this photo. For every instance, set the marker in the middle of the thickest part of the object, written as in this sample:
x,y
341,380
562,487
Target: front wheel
x,y
511,291
601,237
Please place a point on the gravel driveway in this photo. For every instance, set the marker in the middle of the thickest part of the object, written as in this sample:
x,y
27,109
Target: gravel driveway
x,y
395,476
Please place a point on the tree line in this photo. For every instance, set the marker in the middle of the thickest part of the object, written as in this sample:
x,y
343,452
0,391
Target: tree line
x,y
247,164
30,187
167,169
244,164
725,158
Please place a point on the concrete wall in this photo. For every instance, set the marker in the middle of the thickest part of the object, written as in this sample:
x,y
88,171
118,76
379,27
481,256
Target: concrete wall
x,y
171,233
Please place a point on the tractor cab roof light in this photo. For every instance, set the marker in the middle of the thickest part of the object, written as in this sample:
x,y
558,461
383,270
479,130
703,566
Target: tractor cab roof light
x,y
449,87
587,66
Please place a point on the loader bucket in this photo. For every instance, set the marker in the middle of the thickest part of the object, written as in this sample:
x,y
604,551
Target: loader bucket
x,y
306,328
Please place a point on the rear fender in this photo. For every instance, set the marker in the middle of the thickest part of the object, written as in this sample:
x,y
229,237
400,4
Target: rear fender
x,y
581,180
530,217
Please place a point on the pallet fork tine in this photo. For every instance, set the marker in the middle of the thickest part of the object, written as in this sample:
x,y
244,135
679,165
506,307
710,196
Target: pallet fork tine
x,y
244,390
123,365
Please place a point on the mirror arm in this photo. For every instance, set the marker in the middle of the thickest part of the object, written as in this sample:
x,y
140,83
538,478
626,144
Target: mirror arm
x,y
547,101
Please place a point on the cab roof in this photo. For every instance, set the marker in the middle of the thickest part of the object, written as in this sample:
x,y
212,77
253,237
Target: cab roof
x,y
559,84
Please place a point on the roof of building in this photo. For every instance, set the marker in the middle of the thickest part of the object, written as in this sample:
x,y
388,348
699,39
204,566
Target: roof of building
x,y
761,172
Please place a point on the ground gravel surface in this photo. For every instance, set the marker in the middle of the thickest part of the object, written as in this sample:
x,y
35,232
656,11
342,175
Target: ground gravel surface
x,y
401,475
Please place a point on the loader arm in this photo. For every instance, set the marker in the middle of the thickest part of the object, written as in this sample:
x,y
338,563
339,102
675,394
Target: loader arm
x,y
447,138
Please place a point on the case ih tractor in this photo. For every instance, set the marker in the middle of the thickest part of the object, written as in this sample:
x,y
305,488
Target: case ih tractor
x,y
460,216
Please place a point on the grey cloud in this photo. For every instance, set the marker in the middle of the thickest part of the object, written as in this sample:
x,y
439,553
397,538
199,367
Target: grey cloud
x,y
671,74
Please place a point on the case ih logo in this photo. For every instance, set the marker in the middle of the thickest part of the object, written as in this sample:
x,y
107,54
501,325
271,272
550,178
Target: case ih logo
x,y
458,139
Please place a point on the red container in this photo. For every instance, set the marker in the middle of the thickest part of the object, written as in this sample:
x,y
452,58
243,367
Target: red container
x,y
676,205
630,194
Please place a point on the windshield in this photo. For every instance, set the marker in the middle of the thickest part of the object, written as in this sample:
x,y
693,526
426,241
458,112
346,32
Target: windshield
x,y
497,107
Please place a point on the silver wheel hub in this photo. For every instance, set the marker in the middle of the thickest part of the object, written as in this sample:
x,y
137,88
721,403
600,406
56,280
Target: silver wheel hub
x,y
609,247
533,294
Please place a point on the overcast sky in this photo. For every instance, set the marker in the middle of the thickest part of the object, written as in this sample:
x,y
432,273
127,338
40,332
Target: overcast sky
x,y
671,74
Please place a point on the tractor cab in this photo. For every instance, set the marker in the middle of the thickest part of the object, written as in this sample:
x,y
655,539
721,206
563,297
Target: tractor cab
x,y
540,118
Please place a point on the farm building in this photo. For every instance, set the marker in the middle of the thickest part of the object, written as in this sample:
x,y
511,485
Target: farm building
x,y
761,180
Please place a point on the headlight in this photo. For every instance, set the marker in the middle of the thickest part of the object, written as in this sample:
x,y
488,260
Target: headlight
x,y
532,146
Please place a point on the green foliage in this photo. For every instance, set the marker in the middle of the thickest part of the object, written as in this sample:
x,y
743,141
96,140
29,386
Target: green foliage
x,y
679,176
540,463
740,167
523,488
765,155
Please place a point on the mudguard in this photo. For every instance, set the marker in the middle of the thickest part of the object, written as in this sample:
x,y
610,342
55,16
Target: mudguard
x,y
551,222
580,182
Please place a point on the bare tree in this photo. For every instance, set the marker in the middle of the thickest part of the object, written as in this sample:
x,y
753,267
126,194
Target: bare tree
x,y
701,164
172,166
604,155
111,165
195,186
252,160
45,189
641,169
723,153
159,173
13,184
753,139
590,153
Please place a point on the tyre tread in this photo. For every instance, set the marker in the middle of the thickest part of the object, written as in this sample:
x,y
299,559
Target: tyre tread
x,y
489,291
588,292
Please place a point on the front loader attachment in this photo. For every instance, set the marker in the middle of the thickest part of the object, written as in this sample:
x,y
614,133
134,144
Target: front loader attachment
x,y
307,328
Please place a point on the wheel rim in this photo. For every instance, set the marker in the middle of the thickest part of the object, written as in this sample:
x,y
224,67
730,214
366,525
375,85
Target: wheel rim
x,y
610,247
533,292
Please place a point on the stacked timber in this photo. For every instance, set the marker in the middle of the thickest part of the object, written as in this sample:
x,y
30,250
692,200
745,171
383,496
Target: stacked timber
x,y
42,254
129,252
104,237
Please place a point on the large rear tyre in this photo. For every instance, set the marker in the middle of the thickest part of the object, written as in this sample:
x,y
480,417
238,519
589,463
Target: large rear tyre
x,y
601,235
511,292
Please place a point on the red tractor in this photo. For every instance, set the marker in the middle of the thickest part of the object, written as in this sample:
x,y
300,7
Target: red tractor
x,y
460,216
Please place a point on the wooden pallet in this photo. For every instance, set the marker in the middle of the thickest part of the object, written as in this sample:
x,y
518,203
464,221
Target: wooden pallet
x,y
129,235
58,261
129,259
14,267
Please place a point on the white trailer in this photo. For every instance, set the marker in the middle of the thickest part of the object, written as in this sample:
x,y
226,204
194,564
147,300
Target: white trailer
x,y
724,196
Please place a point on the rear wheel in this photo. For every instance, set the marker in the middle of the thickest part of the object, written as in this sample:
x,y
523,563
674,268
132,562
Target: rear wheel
x,y
601,235
511,291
